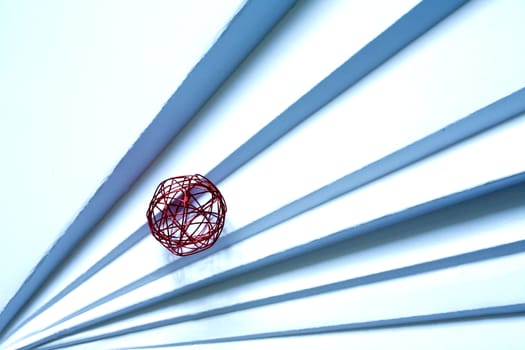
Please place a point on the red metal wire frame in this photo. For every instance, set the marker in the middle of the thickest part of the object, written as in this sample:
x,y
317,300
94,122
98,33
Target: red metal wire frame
x,y
186,214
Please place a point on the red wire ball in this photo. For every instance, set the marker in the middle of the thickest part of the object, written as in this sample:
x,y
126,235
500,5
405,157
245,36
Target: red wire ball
x,y
186,214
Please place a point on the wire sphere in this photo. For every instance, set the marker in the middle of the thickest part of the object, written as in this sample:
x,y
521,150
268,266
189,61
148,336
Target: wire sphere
x,y
186,214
